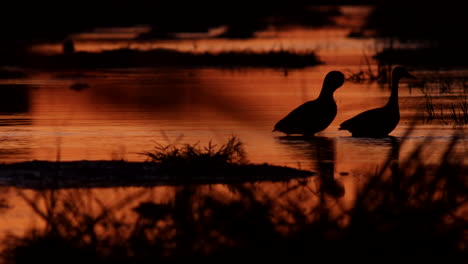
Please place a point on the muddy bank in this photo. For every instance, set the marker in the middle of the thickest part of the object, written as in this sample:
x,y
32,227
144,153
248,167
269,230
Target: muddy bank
x,y
88,174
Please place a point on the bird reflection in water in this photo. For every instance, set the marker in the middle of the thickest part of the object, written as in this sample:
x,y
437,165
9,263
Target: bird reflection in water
x,y
386,151
321,152
392,162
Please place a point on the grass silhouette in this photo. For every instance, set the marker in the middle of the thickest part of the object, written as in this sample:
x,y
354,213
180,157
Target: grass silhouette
x,y
406,208
231,152
166,165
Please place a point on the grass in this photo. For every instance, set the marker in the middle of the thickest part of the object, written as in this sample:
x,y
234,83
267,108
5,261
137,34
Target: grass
x,y
166,165
457,111
430,112
405,208
380,75
194,157
191,163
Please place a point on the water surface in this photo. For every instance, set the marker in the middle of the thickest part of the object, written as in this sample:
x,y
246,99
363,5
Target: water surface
x,y
115,114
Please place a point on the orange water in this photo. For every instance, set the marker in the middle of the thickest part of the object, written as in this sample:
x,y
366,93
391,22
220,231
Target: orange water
x,y
124,112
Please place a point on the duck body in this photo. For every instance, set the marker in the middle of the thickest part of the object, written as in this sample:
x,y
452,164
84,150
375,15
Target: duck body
x,y
309,118
313,116
379,122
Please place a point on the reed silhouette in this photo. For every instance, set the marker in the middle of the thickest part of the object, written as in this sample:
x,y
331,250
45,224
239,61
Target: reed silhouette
x,y
379,122
313,116
406,208
171,164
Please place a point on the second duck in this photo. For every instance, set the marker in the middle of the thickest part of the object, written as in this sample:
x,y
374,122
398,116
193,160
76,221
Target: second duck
x,y
379,122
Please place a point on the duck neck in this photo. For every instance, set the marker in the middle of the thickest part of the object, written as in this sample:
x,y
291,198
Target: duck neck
x,y
326,93
393,100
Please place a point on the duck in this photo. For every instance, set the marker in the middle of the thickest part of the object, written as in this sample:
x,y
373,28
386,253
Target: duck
x,y
379,122
316,115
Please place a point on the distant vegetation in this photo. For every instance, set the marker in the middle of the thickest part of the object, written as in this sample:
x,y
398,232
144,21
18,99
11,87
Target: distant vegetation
x,y
166,57
436,29
241,20
22,27
436,57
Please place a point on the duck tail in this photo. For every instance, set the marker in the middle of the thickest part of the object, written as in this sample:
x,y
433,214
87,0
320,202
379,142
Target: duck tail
x,y
276,128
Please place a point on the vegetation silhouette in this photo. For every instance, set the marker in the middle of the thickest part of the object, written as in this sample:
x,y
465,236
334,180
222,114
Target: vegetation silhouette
x,y
438,42
53,23
406,208
127,58
166,165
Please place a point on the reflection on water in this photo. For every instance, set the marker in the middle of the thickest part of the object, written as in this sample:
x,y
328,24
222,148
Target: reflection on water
x,y
321,153
15,118
121,113
405,208
401,194
372,195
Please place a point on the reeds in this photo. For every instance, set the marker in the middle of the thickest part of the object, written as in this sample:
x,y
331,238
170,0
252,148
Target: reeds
x,y
380,75
191,155
457,111
430,112
407,208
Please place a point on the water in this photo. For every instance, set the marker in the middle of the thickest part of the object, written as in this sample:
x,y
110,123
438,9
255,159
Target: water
x,y
120,113
123,112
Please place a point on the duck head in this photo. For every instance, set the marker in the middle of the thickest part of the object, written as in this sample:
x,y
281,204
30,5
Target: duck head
x,y
401,72
334,80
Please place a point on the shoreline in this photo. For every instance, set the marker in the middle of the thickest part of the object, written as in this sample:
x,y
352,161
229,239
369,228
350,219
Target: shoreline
x,y
160,57
100,173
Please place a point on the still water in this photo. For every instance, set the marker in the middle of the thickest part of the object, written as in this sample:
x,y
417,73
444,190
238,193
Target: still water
x,y
115,114
119,113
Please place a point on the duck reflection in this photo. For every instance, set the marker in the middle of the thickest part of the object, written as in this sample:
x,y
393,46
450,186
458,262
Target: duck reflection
x,y
393,159
321,152
385,152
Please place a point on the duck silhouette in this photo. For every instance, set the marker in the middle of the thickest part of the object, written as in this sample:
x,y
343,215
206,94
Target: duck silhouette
x,y
313,116
379,122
